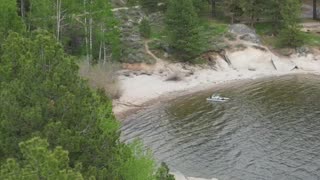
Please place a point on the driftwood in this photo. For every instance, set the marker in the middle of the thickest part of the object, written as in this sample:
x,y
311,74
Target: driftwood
x,y
273,64
295,67
224,56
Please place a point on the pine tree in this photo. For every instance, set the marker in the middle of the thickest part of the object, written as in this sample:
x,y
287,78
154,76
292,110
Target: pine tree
x,y
200,5
145,28
182,26
149,6
290,34
41,15
39,163
42,95
253,9
9,19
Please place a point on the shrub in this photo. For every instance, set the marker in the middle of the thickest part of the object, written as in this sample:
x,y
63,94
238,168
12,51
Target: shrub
x,y
102,76
145,28
291,37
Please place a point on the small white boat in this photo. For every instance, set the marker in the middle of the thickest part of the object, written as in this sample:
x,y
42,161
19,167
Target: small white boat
x,y
217,98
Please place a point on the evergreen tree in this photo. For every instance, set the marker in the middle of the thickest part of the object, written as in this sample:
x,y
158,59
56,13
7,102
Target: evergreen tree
x,y
233,9
163,173
42,95
41,15
200,5
290,34
149,6
39,163
182,26
145,28
253,9
9,19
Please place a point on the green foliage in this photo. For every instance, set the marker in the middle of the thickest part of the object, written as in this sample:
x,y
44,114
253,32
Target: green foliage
x,y
264,28
200,5
253,9
311,39
139,165
42,95
232,8
105,31
290,34
40,15
133,2
163,173
145,28
9,19
149,6
39,163
182,27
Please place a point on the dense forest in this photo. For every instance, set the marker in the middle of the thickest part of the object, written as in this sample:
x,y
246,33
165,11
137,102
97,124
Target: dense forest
x,y
52,124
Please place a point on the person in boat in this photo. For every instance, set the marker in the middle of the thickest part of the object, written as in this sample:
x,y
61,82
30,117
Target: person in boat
x,y
218,97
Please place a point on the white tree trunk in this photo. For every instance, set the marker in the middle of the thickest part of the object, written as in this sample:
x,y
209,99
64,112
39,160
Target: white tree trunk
x,y
86,31
90,38
104,53
58,9
100,51
22,11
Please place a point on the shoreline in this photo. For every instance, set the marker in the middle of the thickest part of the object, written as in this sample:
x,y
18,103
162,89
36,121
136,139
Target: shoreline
x,y
173,95
148,84
144,86
168,96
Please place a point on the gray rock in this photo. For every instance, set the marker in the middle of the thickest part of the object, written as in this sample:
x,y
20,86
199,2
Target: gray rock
x,y
251,38
241,29
246,33
303,51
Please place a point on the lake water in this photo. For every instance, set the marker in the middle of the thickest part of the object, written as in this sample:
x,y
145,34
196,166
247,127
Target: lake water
x,y
269,129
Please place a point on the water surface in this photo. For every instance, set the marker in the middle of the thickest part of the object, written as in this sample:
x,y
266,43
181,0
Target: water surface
x,y
270,129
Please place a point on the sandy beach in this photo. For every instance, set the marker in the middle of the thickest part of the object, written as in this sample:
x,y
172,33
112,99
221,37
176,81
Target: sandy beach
x,y
143,85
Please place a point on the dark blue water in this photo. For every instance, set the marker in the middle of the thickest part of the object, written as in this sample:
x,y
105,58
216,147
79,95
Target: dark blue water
x,y
270,129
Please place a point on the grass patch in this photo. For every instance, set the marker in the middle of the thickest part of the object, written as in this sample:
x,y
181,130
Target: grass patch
x,y
213,28
311,39
264,28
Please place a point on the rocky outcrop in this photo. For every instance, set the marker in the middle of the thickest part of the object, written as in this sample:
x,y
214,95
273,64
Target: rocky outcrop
x,y
245,33
133,43
133,47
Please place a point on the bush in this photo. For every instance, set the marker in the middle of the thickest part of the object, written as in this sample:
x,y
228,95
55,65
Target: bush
x,y
163,173
290,37
149,6
102,76
290,34
183,32
145,28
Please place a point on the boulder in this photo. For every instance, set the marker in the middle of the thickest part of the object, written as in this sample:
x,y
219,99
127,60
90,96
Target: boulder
x,y
246,33
303,51
251,38
241,29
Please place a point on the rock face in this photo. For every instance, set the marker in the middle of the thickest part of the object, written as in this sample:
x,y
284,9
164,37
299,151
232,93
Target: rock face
x,y
133,43
133,47
245,33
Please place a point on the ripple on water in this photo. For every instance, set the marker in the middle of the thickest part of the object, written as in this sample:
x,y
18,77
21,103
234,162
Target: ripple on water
x,y
270,129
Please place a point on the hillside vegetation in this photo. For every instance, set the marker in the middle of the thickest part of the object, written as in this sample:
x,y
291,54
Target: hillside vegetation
x,y
57,124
